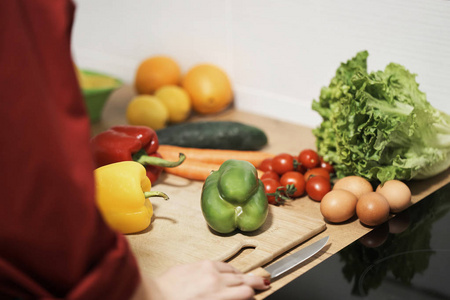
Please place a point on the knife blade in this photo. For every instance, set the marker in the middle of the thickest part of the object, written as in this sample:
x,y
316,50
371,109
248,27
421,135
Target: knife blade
x,y
282,266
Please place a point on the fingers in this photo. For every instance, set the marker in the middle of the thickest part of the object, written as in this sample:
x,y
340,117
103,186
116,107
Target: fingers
x,y
207,280
241,292
232,283
256,282
229,279
234,277
226,268
245,290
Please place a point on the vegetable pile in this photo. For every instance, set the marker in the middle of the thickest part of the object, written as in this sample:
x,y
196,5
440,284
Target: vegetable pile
x,y
288,176
379,125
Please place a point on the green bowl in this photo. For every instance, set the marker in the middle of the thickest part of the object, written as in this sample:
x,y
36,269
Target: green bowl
x,y
96,87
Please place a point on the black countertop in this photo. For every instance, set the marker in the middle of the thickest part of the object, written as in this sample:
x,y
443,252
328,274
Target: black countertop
x,y
407,257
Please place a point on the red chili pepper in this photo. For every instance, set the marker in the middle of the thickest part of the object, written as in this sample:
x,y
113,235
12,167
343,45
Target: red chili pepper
x,y
127,142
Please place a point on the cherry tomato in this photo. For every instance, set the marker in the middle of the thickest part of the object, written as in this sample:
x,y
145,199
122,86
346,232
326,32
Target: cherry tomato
x,y
327,166
271,187
317,187
283,163
270,174
293,179
317,172
301,168
266,165
309,158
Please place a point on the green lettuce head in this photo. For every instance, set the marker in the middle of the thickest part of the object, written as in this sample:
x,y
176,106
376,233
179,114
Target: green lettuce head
x,y
380,125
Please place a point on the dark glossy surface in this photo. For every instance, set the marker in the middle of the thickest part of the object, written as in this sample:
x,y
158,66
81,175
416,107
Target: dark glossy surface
x,y
405,258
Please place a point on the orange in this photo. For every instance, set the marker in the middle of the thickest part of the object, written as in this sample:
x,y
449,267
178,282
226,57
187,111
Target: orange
x,y
209,88
154,72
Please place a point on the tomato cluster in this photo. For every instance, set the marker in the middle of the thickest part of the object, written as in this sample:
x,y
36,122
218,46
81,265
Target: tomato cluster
x,y
287,176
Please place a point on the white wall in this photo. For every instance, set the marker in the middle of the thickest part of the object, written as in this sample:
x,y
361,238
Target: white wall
x,y
278,54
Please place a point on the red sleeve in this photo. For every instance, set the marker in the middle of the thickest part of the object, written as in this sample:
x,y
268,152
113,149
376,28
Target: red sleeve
x,y
53,242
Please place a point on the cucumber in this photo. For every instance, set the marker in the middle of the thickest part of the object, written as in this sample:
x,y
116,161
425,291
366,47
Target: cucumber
x,y
213,135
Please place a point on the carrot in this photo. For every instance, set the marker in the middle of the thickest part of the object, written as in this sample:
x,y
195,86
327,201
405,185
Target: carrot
x,y
215,156
196,170
191,169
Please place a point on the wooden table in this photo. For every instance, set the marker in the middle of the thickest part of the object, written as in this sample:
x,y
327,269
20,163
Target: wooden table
x,y
283,137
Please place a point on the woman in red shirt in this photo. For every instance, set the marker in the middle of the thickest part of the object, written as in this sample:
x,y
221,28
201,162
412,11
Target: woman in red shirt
x,y
53,241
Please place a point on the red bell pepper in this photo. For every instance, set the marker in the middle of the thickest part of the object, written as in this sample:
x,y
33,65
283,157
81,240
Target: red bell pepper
x,y
127,142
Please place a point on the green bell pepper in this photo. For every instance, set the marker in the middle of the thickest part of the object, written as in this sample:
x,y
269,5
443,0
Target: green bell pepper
x,y
233,197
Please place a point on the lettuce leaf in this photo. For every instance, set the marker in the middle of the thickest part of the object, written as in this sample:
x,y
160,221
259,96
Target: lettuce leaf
x,y
379,125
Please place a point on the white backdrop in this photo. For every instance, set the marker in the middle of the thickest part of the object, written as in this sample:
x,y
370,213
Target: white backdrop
x,y
278,54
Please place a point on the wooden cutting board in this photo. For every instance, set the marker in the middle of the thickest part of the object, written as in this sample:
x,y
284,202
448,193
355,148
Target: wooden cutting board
x,y
179,234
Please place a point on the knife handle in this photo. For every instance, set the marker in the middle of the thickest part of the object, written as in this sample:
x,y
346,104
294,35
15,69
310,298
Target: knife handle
x,y
260,272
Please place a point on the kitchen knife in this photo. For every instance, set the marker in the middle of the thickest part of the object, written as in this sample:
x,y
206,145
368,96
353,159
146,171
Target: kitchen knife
x,y
280,267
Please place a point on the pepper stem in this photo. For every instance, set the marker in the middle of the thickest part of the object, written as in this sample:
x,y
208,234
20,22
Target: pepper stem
x,y
156,194
144,159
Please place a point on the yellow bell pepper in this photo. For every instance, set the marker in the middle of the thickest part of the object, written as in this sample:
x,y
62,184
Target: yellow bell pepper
x,y
122,190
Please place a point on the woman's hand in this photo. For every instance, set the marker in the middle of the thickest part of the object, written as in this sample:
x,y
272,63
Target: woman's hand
x,y
203,280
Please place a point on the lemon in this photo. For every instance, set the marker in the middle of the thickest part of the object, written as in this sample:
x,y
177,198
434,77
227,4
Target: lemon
x,y
177,101
148,111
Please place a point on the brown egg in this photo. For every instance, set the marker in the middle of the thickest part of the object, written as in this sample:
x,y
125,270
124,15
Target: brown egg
x,y
397,194
355,184
338,206
372,209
